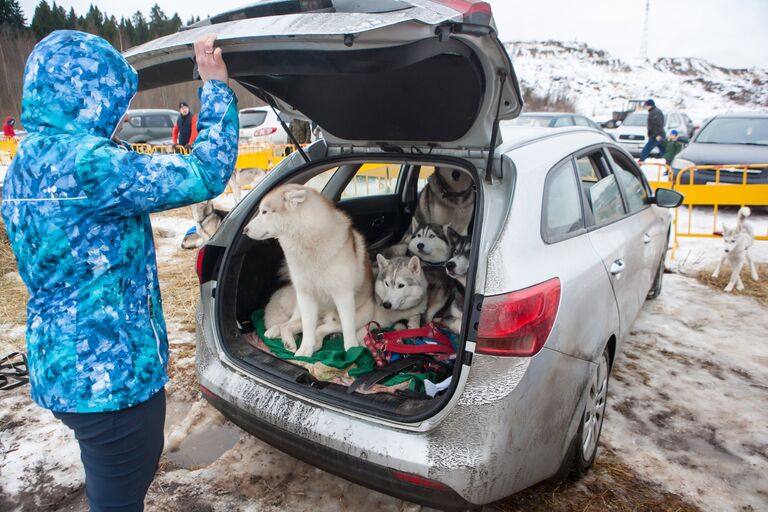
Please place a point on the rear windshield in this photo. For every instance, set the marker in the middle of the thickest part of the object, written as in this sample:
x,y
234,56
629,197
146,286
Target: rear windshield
x,y
531,121
735,131
636,119
251,119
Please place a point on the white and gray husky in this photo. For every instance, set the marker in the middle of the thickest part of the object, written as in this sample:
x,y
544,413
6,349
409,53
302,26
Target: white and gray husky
x,y
326,259
207,221
429,243
401,291
738,241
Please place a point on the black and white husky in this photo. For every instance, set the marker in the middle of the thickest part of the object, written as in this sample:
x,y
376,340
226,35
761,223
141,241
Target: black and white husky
x,y
448,200
429,243
456,267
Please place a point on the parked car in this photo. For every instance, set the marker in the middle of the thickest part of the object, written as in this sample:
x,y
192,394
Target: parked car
x,y
632,134
261,125
568,241
738,138
553,120
151,126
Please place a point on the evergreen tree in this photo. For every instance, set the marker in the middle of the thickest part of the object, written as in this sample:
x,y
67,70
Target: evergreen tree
x,y
58,17
72,21
42,20
141,29
11,14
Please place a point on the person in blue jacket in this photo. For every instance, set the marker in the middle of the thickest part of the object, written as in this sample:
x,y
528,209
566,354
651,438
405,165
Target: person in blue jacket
x,y
76,207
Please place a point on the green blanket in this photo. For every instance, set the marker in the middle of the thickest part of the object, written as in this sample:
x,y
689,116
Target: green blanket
x,y
354,362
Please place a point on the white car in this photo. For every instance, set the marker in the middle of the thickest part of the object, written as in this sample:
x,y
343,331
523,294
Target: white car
x,y
632,134
261,125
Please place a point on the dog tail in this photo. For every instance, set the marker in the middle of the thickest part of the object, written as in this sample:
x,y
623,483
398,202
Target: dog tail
x,y
744,212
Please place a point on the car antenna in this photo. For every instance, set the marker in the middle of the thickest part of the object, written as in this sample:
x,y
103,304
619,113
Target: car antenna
x,y
271,102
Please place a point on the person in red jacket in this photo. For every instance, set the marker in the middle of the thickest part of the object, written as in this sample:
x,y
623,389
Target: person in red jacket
x,y
8,127
185,129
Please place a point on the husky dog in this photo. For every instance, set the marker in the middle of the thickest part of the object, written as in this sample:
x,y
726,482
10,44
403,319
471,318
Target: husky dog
x,y
738,240
401,291
243,177
448,199
326,258
428,242
456,267
458,263
207,221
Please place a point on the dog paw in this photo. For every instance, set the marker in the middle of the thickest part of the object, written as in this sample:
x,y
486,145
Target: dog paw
x,y
715,274
352,343
728,288
290,345
306,350
273,333
740,286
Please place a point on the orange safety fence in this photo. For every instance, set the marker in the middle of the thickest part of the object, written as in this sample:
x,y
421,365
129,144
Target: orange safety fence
x,y
717,193
659,174
8,147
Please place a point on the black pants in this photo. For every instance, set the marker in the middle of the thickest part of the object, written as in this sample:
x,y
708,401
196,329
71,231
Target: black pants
x,y
120,451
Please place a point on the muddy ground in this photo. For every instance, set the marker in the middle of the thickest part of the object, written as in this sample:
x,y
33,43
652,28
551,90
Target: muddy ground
x,y
685,428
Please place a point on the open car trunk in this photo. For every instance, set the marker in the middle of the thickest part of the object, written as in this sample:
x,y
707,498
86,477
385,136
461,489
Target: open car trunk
x,y
250,273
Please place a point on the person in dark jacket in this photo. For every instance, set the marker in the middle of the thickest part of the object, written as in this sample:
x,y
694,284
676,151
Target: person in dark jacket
x,y
8,127
185,129
656,133
76,207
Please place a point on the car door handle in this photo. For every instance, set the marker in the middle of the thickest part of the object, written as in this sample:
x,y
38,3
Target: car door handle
x,y
617,267
378,222
646,238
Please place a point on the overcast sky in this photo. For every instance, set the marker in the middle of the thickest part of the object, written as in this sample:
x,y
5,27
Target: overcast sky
x,y
729,33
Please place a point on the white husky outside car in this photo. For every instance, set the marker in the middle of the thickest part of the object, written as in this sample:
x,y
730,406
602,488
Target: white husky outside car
x,y
568,240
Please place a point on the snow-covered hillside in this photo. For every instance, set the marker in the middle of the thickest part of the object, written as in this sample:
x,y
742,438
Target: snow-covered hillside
x,y
598,83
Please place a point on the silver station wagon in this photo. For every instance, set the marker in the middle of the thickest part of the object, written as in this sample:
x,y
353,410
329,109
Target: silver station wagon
x,y
567,242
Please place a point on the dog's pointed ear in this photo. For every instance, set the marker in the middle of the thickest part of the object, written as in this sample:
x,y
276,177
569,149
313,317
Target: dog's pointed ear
x,y
414,225
451,235
294,197
414,264
381,261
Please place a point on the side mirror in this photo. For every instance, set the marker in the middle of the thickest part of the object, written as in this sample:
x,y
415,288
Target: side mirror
x,y
684,139
668,198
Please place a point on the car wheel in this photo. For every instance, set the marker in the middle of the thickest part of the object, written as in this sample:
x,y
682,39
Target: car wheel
x,y
582,451
592,418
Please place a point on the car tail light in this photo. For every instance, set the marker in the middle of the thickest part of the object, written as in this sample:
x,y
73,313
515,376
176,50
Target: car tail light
x,y
417,480
207,392
474,11
517,324
199,264
261,132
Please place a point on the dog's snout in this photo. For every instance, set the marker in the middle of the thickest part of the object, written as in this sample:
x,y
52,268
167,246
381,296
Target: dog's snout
x,y
420,246
387,305
456,175
450,265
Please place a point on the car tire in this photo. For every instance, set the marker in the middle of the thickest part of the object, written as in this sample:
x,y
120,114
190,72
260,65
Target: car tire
x,y
591,425
582,451
658,280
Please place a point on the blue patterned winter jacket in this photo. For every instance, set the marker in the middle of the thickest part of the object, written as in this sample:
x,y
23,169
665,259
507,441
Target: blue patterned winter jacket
x,y
76,210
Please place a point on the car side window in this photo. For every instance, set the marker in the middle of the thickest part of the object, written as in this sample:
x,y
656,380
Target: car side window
x,y
601,191
156,121
561,205
580,121
635,189
563,121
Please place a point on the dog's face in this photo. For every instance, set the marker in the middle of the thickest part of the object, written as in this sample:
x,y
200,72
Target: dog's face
x,y
202,210
734,239
400,283
458,263
428,243
276,212
454,179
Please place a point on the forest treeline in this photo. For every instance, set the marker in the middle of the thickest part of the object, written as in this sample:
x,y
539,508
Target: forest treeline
x,y
19,35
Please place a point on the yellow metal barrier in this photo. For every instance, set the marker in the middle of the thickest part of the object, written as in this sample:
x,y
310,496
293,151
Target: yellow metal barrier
x,y
715,195
660,171
8,147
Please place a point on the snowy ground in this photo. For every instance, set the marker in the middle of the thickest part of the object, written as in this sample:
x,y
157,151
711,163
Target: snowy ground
x,y
687,416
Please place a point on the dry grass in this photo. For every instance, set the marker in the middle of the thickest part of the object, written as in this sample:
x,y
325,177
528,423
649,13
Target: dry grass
x,y
179,288
610,486
757,290
13,305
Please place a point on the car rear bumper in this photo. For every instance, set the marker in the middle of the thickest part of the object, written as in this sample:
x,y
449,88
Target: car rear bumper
x,y
508,428
354,469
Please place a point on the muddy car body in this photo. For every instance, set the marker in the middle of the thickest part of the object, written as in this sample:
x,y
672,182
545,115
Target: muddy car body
x,y
516,412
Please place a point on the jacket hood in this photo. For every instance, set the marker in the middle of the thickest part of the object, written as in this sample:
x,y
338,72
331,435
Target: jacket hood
x,y
76,83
